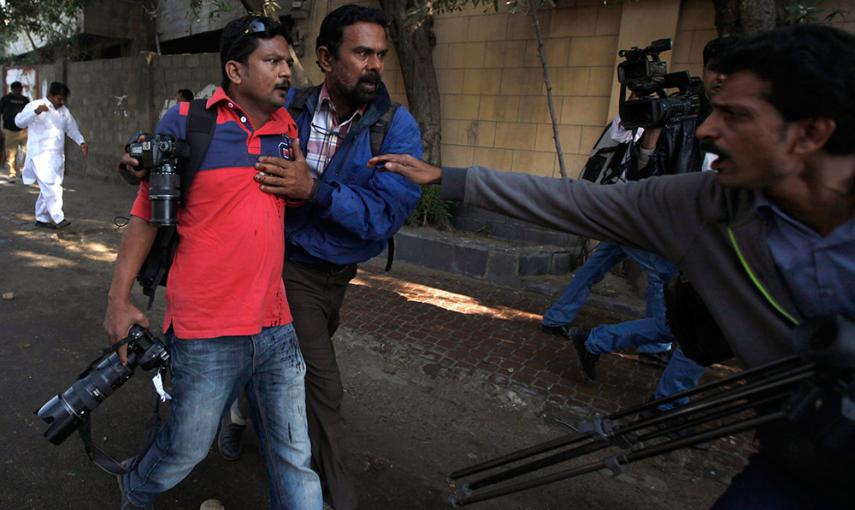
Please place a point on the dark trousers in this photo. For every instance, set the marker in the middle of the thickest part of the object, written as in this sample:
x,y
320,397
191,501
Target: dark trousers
x,y
315,295
764,486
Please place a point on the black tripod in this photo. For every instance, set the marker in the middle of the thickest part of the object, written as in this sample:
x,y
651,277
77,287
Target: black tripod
x,y
747,400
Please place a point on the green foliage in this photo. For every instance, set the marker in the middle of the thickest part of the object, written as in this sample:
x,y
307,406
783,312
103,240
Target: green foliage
x,y
48,19
793,12
431,209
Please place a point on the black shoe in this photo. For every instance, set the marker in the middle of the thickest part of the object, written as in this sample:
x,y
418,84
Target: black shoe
x,y
657,359
229,439
44,224
62,224
555,330
587,360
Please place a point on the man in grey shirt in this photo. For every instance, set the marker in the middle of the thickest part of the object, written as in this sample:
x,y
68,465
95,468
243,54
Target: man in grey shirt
x,y
768,241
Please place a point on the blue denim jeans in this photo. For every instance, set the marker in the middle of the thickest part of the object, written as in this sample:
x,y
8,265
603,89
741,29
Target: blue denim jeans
x,y
602,259
650,334
206,377
680,374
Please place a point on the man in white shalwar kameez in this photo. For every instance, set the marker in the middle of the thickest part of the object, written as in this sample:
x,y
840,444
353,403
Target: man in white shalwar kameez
x,y
49,121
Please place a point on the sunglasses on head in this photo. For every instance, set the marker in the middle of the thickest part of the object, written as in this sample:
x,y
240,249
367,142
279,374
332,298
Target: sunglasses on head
x,y
257,26
260,25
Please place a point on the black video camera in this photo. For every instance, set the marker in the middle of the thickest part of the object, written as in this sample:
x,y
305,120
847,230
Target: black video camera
x,y
65,412
161,154
646,75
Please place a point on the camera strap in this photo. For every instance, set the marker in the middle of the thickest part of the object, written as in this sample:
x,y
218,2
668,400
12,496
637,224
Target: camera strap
x,y
101,458
106,462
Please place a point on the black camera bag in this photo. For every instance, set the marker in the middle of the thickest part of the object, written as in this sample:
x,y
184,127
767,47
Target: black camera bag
x,y
693,325
200,131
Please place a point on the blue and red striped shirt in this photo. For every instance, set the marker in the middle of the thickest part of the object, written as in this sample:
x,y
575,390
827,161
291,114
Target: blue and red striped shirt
x,y
226,278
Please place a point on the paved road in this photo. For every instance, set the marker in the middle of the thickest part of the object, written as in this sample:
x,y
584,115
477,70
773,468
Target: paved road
x,y
439,372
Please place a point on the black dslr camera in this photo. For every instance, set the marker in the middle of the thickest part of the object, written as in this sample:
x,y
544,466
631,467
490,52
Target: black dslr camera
x,y
645,74
65,412
161,154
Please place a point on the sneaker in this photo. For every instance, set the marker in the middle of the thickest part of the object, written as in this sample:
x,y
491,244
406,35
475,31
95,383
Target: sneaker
x,y
657,359
555,330
587,360
229,439
126,503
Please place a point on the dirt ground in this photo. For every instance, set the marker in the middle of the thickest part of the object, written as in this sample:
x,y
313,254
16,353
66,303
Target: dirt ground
x,y
407,426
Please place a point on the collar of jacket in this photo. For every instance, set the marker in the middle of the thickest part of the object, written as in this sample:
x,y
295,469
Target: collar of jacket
x,y
743,228
375,109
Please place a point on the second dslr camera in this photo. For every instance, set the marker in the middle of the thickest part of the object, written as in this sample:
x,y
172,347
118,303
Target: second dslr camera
x,y
162,155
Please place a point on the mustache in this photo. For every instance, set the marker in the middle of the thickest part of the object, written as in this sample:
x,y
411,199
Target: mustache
x,y
286,84
371,77
708,146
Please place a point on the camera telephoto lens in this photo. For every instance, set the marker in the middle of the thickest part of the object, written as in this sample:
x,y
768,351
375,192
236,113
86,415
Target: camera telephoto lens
x,y
65,412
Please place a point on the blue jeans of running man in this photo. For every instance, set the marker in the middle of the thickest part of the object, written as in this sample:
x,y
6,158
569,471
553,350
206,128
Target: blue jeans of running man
x,y
680,374
643,335
206,377
650,334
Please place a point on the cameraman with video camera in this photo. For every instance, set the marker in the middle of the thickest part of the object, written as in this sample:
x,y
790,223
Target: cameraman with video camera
x,y
661,150
768,241
228,324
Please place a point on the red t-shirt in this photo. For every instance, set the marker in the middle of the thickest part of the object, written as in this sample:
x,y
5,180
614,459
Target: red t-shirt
x,y
226,278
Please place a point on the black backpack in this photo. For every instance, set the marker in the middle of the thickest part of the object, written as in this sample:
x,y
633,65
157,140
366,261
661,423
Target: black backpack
x,y
200,131
377,132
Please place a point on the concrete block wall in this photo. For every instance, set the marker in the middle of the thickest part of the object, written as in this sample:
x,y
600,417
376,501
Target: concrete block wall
x,y
113,98
493,97
197,72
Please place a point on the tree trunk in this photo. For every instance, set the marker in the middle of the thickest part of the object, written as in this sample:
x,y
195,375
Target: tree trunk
x,y
736,17
414,41
556,135
757,15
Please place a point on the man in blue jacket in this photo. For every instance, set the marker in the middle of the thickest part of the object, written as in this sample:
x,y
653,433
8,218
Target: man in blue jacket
x,y
348,213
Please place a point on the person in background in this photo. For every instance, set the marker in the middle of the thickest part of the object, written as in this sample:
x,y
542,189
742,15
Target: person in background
x,y
49,121
15,138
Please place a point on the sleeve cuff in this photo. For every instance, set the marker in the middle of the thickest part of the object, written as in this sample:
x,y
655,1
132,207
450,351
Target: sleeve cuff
x,y
453,183
322,192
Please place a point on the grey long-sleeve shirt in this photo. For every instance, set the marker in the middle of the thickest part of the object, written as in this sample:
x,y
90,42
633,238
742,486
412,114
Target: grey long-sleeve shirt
x,y
712,233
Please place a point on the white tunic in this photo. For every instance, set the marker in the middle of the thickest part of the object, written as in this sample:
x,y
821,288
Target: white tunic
x,y
46,141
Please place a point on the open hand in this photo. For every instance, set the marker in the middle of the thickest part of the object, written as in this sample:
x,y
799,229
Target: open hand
x,y
415,170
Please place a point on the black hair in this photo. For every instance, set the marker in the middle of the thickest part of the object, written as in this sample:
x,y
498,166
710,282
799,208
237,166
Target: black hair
x,y
186,94
332,28
716,48
57,88
237,42
16,85
810,72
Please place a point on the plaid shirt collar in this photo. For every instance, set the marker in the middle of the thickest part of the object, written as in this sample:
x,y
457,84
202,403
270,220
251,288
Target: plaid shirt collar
x,y
327,132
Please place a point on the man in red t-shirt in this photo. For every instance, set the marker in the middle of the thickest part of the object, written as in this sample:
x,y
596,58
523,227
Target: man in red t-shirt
x,y
228,324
